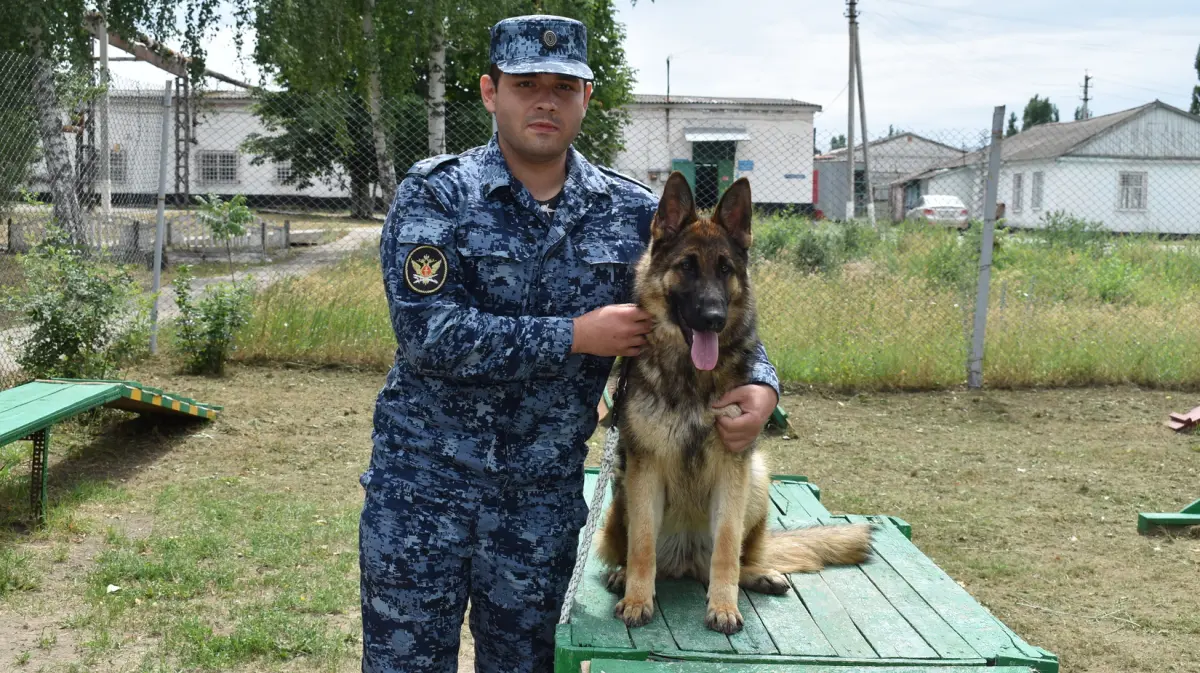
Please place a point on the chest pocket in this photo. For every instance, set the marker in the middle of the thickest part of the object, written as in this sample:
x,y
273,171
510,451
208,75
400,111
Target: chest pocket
x,y
497,267
603,273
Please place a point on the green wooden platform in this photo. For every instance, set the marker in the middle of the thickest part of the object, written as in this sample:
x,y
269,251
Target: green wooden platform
x,y
1152,522
897,613
27,412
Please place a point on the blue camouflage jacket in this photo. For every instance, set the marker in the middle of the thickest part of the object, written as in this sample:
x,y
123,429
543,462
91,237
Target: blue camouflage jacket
x,y
482,286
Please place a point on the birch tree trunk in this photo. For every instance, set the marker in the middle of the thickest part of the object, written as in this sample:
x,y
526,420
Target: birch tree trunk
x,y
387,173
436,103
54,148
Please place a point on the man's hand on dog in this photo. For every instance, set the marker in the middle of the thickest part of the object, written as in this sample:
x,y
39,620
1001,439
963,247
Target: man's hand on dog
x,y
609,331
756,402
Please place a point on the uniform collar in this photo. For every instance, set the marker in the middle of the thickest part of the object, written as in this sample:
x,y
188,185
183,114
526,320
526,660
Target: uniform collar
x,y
581,174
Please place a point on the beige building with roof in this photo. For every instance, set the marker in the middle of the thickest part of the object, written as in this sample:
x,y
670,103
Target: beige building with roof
x,y
714,141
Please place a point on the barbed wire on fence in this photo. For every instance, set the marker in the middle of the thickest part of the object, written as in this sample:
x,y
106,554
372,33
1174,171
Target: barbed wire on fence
x,y
1094,278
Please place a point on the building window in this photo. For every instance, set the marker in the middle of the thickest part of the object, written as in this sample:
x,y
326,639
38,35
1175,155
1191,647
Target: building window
x,y
218,167
1133,191
1035,199
283,172
118,167
1018,192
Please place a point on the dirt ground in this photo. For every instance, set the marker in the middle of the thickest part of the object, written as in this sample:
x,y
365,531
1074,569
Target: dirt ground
x,y
1028,498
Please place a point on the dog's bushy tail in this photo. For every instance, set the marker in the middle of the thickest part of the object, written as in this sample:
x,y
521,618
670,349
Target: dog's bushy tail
x,y
806,550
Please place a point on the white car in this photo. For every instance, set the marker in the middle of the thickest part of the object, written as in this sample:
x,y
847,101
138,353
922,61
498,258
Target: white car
x,y
939,209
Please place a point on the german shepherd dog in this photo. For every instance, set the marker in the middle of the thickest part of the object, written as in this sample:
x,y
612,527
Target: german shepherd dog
x,y
683,505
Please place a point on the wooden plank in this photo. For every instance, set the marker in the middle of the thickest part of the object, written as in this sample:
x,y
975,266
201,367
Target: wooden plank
x,y
889,634
1148,521
655,636
802,504
927,622
618,666
753,638
684,605
978,627
71,399
790,625
24,394
830,616
592,620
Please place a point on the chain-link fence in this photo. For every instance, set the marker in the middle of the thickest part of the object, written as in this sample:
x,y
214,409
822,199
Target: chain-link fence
x,y
1094,278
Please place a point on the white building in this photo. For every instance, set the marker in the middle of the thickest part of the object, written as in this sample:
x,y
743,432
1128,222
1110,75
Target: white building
x,y
224,120
891,158
714,141
1137,170
711,140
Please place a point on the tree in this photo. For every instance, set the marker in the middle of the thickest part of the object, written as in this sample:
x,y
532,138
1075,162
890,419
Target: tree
x,y
52,32
1039,111
1012,125
1195,109
430,52
837,142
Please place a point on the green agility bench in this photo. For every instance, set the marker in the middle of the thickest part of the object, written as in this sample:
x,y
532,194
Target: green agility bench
x,y
1149,522
896,613
27,412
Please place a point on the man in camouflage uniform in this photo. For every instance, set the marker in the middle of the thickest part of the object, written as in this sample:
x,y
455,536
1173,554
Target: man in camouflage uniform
x,y
507,269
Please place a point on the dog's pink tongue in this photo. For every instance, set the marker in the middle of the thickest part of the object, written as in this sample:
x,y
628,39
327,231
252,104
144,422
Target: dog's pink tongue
x,y
704,350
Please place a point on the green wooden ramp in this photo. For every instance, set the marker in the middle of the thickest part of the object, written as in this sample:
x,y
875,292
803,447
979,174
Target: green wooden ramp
x,y
27,412
1153,522
897,613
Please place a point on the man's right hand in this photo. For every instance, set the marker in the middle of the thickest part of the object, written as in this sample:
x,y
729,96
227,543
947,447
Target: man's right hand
x,y
609,331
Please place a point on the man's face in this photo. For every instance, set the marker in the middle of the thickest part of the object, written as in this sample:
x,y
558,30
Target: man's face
x,y
537,115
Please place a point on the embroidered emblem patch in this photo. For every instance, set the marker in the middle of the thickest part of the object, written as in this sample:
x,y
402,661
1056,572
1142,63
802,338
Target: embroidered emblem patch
x,y
549,39
425,269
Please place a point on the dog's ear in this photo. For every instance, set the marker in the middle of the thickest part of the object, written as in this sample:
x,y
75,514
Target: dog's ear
x,y
733,212
676,208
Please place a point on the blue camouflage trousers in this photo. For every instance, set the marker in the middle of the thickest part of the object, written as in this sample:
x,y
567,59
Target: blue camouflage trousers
x,y
429,540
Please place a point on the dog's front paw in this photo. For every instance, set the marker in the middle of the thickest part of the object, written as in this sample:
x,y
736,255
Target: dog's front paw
x,y
615,582
634,612
726,620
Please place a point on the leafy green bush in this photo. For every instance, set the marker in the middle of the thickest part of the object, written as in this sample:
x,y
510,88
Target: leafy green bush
x,y
207,327
813,252
1112,280
86,315
225,219
951,263
1060,228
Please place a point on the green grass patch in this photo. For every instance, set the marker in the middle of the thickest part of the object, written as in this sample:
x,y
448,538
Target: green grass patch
x,y
849,306
231,575
337,315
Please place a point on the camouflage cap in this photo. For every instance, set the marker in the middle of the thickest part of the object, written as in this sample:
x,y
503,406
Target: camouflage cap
x,y
540,43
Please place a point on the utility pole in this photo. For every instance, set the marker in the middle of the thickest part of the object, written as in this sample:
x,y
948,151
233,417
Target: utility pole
x,y
1087,80
853,16
862,106
105,142
667,115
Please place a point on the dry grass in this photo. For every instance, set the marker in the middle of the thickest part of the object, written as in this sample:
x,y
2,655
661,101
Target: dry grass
x,y
1027,497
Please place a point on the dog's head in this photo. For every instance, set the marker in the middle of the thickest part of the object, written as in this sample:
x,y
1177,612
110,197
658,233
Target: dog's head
x,y
698,265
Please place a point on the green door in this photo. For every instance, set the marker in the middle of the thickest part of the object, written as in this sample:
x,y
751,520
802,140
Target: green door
x,y
724,176
688,169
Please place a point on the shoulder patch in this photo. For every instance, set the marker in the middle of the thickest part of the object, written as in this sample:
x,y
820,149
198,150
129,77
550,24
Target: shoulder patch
x,y
425,167
425,269
614,173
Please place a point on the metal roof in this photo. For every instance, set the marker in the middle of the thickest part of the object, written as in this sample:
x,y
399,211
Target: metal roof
x,y
1049,141
657,99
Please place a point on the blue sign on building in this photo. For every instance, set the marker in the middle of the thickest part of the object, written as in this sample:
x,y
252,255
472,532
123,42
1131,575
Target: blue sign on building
x,y
745,165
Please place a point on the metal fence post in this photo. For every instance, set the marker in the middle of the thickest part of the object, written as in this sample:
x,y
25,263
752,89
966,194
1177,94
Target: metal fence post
x,y
160,224
975,363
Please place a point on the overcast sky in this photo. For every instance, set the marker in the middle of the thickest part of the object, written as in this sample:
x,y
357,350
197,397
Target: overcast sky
x,y
928,65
